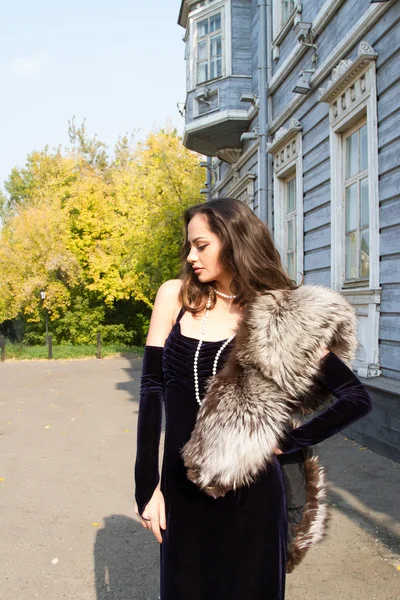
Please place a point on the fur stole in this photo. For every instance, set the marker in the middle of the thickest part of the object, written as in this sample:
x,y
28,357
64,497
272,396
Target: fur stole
x,y
268,377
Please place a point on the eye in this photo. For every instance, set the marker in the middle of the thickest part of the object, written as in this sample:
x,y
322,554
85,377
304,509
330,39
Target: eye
x,y
202,247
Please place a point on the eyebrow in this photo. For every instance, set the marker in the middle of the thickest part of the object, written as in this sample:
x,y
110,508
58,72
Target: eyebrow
x,y
199,238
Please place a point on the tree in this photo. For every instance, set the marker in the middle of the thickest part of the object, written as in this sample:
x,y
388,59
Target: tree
x,y
94,231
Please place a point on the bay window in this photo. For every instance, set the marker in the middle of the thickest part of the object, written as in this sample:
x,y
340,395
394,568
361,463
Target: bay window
x,y
209,55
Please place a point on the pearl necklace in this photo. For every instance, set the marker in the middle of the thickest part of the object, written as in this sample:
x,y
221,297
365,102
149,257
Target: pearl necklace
x,y
196,356
223,295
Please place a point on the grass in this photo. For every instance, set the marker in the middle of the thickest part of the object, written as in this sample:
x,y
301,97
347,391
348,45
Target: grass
x,y
21,352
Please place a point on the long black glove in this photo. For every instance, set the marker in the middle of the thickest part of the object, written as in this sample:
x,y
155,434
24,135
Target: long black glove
x,y
353,402
149,426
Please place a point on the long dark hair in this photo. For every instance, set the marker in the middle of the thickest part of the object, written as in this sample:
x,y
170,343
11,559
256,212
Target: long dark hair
x,y
248,253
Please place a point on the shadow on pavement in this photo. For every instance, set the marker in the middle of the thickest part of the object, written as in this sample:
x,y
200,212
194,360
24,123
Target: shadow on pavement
x,y
126,561
132,386
364,485
133,372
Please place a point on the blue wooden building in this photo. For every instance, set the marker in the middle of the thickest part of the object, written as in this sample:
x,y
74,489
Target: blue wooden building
x,y
298,104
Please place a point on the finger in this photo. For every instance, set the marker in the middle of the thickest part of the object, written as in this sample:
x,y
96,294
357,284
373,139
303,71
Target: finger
x,y
156,530
163,520
145,521
145,517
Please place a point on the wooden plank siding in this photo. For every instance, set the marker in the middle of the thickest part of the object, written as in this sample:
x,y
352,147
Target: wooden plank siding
x,y
341,22
384,36
241,38
254,47
387,45
309,12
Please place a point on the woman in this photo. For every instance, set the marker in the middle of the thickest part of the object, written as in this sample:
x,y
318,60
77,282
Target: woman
x,y
220,513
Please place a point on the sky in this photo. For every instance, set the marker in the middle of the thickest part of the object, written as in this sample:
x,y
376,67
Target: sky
x,y
119,64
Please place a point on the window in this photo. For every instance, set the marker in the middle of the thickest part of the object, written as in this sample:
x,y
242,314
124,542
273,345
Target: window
x,y
283,16
209,48
352,98
287,9
208,40
356,200
286,149
290,226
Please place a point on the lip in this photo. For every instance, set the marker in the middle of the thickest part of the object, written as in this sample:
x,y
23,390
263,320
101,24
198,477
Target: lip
x,y
195,269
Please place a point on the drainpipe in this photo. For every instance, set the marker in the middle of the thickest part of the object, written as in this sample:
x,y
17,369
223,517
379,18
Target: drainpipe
x,y
263,111
209,178
270,173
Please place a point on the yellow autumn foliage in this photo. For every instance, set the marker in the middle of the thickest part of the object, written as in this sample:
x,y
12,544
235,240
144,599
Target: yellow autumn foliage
x,y
78,220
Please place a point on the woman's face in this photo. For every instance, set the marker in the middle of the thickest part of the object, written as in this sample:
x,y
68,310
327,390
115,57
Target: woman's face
x,y
204,249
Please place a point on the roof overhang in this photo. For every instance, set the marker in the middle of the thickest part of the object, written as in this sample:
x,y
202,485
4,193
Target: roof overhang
x,y
183,14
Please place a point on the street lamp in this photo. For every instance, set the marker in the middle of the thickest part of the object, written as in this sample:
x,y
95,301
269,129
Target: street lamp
x,y
303,83
43,296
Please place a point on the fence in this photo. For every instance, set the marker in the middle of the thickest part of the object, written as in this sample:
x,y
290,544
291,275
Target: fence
x,y
49,347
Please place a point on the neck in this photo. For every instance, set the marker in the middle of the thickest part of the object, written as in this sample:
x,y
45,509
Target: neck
x,y
223,287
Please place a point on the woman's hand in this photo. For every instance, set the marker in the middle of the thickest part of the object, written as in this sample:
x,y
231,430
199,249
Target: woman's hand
x,y
153,516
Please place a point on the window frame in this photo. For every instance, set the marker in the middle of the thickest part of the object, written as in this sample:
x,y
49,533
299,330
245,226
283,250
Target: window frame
x,y
279,26
290,14
367,108
351,94
287,217
348,182
287,150
199,14
207,40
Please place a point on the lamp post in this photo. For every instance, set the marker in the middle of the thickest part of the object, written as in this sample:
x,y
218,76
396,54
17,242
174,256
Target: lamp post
x,y
43,296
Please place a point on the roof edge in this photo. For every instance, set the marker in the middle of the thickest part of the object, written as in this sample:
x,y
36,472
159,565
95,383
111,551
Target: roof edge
x,y
183,14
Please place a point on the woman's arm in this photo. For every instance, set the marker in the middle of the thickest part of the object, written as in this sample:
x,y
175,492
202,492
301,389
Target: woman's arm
x,y
152,394
149,426
353,402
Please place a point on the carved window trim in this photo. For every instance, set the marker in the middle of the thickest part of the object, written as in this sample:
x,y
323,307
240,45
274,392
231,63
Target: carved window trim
x,y
242,188
287,150
351,95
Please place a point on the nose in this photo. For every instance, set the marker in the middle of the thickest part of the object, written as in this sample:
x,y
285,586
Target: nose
x,y
192,256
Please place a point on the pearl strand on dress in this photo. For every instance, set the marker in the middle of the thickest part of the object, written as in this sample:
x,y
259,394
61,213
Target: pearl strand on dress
x,y
196,356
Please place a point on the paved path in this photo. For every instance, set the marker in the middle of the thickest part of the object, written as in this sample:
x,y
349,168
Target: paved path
x,y
68,528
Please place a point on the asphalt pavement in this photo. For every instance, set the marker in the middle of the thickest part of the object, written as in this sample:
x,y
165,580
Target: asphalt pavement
x,y
67,437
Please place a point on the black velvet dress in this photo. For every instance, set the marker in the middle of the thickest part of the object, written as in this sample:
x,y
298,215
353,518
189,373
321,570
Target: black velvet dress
x,y
234,547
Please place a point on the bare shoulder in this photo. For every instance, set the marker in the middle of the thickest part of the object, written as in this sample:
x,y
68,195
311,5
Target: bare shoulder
x,y
164,312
